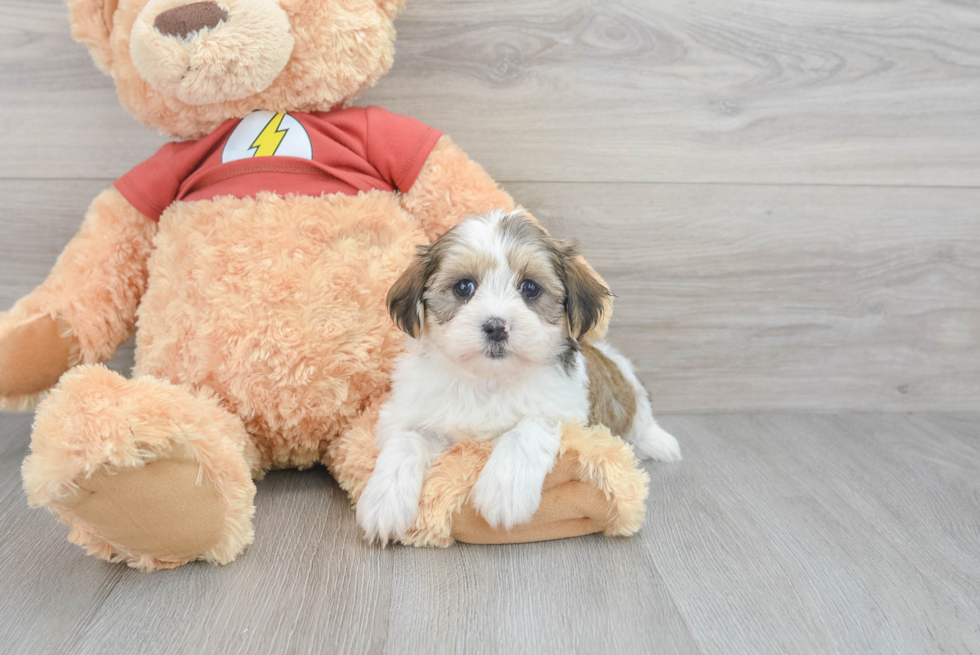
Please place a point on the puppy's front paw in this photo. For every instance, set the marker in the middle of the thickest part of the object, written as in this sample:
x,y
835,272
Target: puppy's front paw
x,y
656,443
385,512
504,497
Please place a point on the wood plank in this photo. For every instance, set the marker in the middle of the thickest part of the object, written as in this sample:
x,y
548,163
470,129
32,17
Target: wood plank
x,y
792,534
49,589
55,106
757,297
730,298
39,218
584,596
916,485
769,91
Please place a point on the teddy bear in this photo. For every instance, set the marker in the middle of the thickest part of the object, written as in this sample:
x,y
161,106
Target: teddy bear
x,y
251,257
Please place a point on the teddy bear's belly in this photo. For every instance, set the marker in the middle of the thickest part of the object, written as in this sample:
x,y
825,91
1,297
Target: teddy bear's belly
x,y
278,305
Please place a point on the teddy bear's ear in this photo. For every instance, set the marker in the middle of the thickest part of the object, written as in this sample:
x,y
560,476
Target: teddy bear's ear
x,y
391,7
91,24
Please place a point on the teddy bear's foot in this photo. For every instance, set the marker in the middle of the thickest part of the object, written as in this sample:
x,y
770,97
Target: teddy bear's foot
x,y
143,471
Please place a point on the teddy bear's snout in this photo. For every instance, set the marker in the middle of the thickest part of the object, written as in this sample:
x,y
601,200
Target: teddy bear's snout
x,y
205,52
181,22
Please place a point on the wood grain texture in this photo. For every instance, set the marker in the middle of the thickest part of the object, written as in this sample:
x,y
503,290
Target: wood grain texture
x,y
730,297
586,595
821,526
48,592
781,297
777,533
767,91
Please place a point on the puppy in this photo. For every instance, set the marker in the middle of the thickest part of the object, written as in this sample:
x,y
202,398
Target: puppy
x,y
497,308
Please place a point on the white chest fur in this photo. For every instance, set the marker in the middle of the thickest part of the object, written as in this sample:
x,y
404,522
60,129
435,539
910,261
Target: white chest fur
x,y
428,397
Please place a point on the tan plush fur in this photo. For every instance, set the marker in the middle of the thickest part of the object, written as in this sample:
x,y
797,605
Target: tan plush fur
x,y
263,340
295,338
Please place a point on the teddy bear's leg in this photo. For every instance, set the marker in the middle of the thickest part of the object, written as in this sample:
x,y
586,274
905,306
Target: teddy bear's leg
x,y
597,485
143,471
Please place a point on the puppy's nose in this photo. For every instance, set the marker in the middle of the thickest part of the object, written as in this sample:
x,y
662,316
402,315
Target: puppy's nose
x,y
180,22
495,329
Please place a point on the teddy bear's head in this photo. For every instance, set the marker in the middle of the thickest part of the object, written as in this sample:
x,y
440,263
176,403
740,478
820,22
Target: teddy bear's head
x,y
184,67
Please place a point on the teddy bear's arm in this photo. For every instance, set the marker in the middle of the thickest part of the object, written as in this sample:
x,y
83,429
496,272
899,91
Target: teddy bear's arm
x,y
450,187
85,308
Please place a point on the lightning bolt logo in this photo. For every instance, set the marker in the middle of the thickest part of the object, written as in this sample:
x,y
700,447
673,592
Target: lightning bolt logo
x,y
268,140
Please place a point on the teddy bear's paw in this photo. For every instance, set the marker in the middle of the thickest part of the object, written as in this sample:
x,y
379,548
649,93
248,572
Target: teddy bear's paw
x,y
385,511
33,355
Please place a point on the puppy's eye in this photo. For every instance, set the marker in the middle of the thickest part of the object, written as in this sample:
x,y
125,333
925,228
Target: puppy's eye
x,y
464,288
530,290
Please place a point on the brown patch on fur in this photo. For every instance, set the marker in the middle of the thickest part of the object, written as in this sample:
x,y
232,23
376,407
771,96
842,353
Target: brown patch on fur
x,y
517,228
612,399
567,356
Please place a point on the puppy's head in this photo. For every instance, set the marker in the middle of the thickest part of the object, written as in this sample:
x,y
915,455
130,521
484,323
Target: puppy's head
x,y
496,295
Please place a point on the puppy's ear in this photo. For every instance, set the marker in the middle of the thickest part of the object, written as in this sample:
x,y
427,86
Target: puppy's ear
x,y
405,298
586,298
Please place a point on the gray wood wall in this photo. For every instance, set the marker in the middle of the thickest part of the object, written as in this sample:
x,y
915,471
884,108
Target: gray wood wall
x,y
784,194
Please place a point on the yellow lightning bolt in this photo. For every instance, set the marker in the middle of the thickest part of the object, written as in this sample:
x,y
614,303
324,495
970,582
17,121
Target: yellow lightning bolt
x,y
267,142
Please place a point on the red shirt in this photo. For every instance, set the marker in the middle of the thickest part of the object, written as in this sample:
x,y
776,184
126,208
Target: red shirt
x,y
344,151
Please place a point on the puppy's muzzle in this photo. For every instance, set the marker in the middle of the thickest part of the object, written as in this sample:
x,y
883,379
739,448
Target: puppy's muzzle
x,y
495,330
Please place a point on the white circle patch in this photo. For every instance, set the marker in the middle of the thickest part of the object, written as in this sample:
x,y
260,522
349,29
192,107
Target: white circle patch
x,y
267,134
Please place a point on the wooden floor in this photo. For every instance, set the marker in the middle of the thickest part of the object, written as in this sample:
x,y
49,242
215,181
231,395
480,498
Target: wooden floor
x,y
777,534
